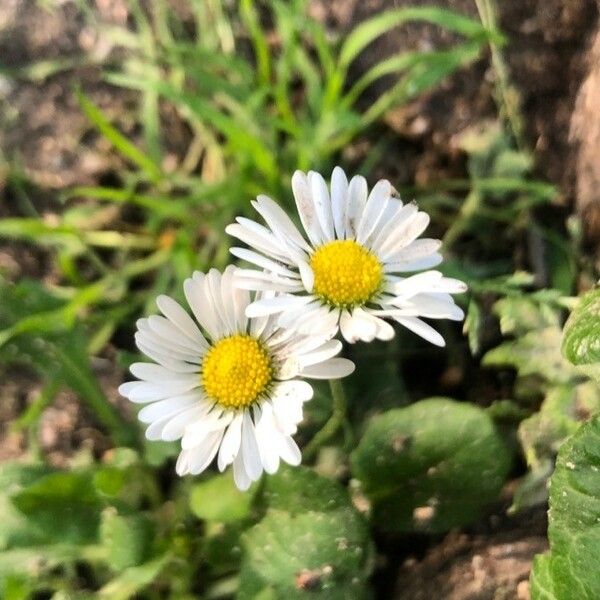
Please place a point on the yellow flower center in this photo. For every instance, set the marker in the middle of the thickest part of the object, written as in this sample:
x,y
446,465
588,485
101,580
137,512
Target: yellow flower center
x,y
346,274
236,371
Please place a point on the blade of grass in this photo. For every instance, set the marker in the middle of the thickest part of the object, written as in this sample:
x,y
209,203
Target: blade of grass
x,y
118,140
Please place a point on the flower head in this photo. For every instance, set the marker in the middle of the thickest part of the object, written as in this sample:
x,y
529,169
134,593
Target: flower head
x,y
231,388
350,272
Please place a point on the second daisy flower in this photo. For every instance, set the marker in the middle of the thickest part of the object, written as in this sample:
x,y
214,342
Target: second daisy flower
x,y
347,275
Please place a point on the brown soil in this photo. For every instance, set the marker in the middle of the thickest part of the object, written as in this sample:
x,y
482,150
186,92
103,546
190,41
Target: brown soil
x,y
494,566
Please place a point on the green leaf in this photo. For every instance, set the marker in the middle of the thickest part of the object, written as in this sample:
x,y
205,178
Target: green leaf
x,y
540,581
564,408
132,580
15,528
570,570
127,539
431,466
536,353
372,28
581,337
64,506
218,499
312,554
117,139
299,489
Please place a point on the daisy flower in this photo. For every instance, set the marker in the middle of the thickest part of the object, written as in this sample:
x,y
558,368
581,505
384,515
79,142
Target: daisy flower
x,y
352,270
232,388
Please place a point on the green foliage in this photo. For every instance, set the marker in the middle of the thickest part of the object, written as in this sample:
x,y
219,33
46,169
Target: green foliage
x,y
300,489
127,539
581,341
570,568
430,466
217,499
39,330
324,554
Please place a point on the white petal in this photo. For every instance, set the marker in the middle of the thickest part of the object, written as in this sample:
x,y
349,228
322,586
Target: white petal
x,y
322,203
230,445
202,456
152,344
150,392
357,326
357,197
295,389
168,407
165,359
260,280
279,222
411,229
214,420
261,239
307,276
165,329
261,261
250,451
289,451
179,317
271,306
418,264
306,208
422,329
226,297
266,433
393,219
201,304
334,368
157,373
175,428
213,284
417,249
327,350
339,192
242,481
155,431
374,209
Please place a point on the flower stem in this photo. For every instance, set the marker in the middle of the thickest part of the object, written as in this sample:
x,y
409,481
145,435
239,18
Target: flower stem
x,y
335,421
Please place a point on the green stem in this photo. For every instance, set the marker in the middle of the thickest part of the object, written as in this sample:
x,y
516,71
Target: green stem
x,y
334,423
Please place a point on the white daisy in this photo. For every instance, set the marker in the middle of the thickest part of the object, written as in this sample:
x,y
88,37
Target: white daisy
x,y
233,390
349,273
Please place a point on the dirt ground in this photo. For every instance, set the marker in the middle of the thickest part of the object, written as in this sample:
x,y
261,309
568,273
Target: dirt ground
x,y
554,61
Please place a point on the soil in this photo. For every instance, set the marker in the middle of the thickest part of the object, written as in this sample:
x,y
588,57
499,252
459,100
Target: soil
x,y
493,565
554,61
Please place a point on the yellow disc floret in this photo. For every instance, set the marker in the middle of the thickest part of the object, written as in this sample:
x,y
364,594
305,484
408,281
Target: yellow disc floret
x,y
346,273
236,371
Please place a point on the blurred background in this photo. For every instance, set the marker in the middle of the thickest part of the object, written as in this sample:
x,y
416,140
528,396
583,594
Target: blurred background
x,y
132,132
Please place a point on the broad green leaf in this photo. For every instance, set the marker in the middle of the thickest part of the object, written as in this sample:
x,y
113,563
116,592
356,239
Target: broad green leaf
x,y
563,410
35,560
132,580
536,353
430,466
520,314
581,337
540,581
310,554
63,505
15,528
570,570
218,499
127,539
298,489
